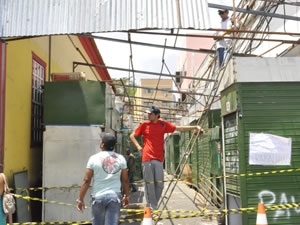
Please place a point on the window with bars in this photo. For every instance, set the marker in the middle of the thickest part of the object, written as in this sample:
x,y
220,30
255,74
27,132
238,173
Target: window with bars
x,y
38,79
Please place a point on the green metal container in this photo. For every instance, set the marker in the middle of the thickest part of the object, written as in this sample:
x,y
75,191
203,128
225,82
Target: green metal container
x,y
77,103
270,108
83,103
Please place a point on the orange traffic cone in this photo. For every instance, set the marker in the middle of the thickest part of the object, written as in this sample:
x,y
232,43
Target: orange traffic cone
x,y
261,218
147,217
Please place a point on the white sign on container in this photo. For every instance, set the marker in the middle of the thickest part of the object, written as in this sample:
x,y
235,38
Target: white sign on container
x,y
268,149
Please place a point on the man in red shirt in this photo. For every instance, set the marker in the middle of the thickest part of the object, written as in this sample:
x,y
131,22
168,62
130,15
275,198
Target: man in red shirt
x,y
153,131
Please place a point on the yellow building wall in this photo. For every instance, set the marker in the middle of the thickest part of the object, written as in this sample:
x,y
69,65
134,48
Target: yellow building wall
x,y
18,154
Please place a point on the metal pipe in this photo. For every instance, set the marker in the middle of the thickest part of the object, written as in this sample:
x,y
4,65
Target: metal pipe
x,y
160,89
218,29
213,36
207,51
276,46
255,12
164,108
224,167
2,101
140,71
134,97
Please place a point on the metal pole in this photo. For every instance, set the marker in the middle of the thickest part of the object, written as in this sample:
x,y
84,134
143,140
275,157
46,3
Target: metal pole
x,y
2,102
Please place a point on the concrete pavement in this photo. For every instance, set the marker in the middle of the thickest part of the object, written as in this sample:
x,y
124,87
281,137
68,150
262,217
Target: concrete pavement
x,y
177,207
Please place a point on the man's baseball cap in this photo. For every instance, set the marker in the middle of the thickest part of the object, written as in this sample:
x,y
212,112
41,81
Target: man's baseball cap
x,y
109,141
153,109
221,11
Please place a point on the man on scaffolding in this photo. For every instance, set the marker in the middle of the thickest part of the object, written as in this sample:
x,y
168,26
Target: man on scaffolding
x,y
222,44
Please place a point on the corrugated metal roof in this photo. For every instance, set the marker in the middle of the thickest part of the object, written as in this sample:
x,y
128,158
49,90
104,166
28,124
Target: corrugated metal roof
x,y
46,17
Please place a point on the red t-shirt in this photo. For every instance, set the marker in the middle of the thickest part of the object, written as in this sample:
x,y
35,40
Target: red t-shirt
x,y
153,135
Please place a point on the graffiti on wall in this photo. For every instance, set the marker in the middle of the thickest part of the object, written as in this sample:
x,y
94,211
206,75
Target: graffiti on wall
x,y
270,198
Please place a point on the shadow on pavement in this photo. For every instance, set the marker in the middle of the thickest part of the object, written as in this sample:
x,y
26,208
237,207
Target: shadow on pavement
x,y
135,209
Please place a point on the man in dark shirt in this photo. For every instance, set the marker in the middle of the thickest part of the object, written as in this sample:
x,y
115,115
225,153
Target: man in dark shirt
x,y
131,169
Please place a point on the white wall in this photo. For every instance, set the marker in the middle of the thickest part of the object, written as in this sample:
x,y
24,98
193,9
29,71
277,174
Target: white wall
x,y
66,152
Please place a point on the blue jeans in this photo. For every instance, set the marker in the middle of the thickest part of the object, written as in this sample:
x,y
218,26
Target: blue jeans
x,y
220,53
106,209
2,215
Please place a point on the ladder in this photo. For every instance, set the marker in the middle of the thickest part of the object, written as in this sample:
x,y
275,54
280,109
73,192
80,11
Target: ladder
x,y
213,78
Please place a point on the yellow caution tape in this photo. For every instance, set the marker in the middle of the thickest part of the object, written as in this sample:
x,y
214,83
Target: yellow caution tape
x,y
189,213
170,180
